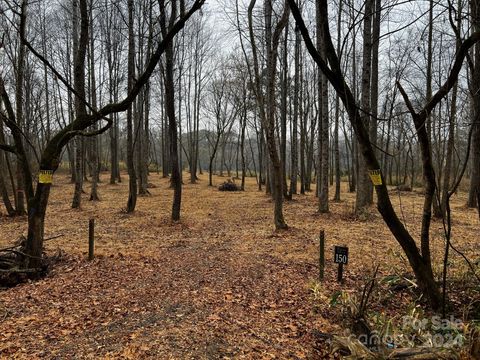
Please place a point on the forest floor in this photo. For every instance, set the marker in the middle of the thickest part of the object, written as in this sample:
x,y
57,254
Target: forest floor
x,y
219,284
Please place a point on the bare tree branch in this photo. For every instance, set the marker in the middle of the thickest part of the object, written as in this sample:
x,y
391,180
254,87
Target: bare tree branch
x,y
8,148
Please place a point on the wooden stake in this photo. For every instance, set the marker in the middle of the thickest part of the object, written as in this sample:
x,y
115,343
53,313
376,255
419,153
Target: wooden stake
x,y
91,239
321,265
340,273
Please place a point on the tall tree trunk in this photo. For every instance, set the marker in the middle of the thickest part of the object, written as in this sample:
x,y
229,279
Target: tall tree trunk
x,y
80,44
94,157
336,149
354,147
294,137
77,193
19,103
112,55
283,115
323,123
364,185
147,93
176,180
428,96
243,126
113,151
132,176
372,128
3,187
303,134
474,191
448,170
166,161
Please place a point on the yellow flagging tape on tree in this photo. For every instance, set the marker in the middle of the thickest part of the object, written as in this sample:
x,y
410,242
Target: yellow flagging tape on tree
x,y
45,176
376,177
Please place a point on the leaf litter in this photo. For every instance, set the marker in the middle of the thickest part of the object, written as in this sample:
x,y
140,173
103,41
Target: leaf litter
x,y
219,284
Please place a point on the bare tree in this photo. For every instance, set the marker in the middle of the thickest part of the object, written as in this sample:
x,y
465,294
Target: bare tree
x,y
176,180
221,99
266,101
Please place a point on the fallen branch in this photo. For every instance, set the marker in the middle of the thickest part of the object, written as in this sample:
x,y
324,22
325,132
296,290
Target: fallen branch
x,y
54,237
13,247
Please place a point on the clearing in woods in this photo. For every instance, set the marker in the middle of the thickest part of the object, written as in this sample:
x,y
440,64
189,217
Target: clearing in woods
x,y
218,284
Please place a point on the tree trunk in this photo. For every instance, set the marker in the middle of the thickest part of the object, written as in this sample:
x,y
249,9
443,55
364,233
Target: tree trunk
x,y
36,226
77,193
94,157
80,45
474,191
336,149
303,138
3,165
132,176
294,137
364,185
243,125
448,170
323,124
283,116
176,180
19,102
372,128
3,190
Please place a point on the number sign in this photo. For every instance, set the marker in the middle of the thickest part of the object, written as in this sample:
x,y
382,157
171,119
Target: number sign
x,y
341,255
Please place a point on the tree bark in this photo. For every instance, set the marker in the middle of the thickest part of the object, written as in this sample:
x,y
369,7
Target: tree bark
x,y
94,156
294,137
283,115
364,185
80,44
176,180
323,122
336,148
3,166
19,103
132,176
474,191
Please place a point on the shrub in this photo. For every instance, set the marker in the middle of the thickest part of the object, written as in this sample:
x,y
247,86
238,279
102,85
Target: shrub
x,y
229,185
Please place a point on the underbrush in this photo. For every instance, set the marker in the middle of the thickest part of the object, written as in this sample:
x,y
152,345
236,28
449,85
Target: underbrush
x,y
385,318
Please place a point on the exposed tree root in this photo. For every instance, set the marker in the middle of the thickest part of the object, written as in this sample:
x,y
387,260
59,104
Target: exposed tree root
x,y
12,260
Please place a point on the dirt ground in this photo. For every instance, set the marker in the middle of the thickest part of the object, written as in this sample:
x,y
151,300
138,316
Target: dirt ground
x,y
219,284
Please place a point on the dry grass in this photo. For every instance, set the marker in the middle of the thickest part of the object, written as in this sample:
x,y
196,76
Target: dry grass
x,y
220,283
